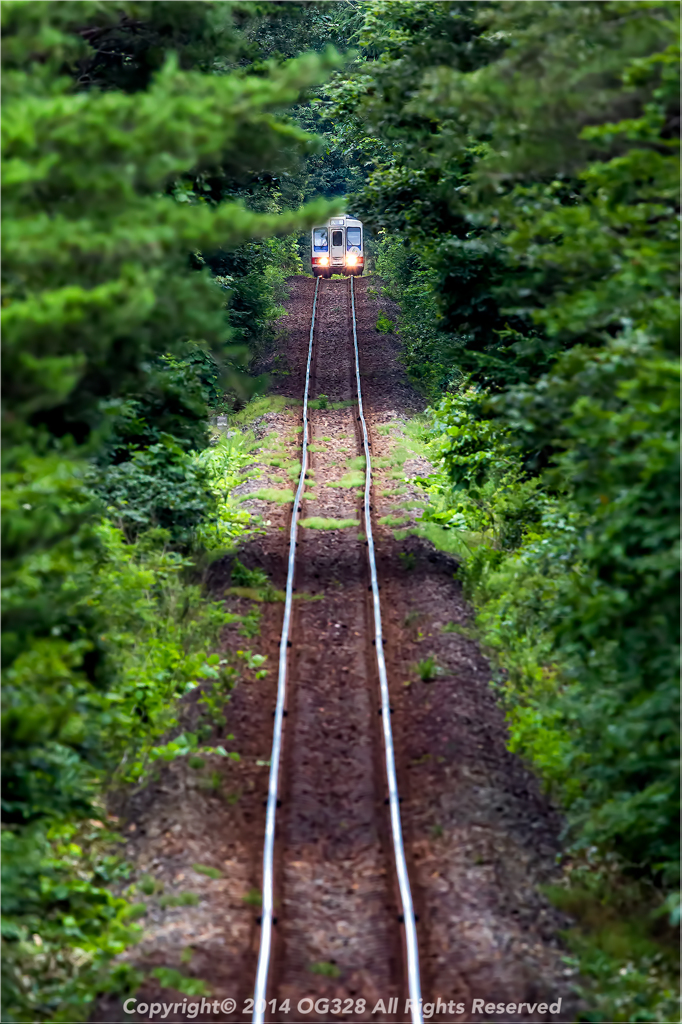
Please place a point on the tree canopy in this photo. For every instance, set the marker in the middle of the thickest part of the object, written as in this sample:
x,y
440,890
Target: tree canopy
x,y
115,333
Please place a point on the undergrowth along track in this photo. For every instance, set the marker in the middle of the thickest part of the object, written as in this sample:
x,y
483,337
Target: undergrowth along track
x,y
399,866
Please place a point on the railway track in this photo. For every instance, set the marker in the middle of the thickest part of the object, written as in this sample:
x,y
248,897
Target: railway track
x,y
481,837
338,923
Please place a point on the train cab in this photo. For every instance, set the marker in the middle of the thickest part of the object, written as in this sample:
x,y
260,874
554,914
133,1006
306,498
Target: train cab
x,y
337,247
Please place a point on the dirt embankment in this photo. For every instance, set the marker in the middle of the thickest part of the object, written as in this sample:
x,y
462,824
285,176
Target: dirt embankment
x,y
480,838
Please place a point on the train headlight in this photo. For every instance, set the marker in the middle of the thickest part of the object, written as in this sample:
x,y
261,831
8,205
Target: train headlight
x,y
324,260
351,259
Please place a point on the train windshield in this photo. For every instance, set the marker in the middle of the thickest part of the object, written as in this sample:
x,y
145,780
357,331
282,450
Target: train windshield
x,y
320,238
354,236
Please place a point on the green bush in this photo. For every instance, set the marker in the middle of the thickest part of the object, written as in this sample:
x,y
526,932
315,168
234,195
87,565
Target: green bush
x,y
172,401
78,717
160,486
427,351
253,277
574,573
121,165
384,325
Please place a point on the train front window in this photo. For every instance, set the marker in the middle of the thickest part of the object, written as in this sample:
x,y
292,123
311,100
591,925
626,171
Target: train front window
x,y
320,238
354,236
337,237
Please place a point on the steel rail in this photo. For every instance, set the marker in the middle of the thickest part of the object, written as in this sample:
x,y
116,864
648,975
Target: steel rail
x,y
412,949
260,990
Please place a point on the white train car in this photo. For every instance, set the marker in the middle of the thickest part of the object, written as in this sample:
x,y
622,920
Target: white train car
x,y
337,247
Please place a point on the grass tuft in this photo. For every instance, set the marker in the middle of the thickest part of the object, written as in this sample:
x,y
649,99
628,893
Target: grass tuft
x,y
408,559
455,627
428,669
253,898
325,968
384,325
183,899
319,523
282,496
353,478
267,595
205,869
260,406
395,521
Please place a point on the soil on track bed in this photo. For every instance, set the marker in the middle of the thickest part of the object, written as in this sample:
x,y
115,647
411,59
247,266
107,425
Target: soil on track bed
x,y
479,837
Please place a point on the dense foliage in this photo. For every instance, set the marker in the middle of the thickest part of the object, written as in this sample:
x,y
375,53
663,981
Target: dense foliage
x,y
117,339
518,165
525,176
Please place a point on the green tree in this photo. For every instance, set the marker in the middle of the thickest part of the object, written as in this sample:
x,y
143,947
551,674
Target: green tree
x,y
114,335
528,156
528,185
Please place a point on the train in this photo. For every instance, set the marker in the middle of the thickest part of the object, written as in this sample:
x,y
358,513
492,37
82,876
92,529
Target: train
x,y
337,247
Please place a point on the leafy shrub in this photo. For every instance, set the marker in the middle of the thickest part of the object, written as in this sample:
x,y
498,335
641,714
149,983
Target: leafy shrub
x,y
384,325
173,403
427,349
71,713
613,617
253,278
161,486
574,587
59,935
